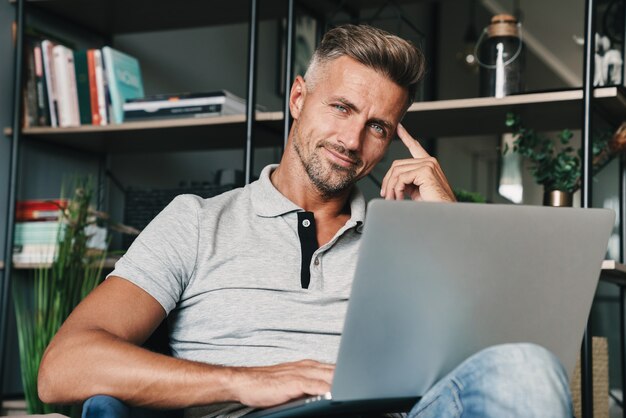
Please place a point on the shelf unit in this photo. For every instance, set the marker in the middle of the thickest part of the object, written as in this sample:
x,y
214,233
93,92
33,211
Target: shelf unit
x,y
544,111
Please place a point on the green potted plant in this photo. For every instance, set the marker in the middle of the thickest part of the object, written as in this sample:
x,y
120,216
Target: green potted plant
x,y
556,165
58,288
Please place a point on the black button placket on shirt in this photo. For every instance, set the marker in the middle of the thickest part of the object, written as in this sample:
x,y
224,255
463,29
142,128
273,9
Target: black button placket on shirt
x,y
308,245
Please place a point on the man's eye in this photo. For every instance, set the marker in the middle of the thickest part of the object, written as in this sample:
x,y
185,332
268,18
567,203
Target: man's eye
x,y
341,108
378,129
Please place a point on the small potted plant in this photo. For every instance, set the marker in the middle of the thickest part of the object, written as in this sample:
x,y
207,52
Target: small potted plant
x,y
556,165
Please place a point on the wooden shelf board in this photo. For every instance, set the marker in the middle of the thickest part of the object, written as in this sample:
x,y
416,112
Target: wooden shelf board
x,y
220,132
109,263
460,117
612,271
486,115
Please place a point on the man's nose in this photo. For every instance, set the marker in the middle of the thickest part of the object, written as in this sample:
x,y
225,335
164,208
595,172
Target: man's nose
x,y
352,136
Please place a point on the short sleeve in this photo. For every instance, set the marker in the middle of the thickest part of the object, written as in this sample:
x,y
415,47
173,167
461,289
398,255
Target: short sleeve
x,y
162,258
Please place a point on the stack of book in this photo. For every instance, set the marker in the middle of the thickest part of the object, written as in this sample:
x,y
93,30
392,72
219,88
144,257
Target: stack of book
x,y
66,87
83,87
38,229
184,105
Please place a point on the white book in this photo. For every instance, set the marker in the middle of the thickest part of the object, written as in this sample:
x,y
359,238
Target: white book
x,y
46,52
99,70
67,96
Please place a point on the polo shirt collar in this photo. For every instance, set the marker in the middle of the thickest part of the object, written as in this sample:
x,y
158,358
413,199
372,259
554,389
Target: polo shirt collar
x,y
268,202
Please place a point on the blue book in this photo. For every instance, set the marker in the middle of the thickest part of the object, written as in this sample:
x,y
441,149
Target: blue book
x,y
123,79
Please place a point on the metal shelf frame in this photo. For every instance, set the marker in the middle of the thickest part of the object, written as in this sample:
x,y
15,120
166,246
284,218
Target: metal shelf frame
x,y
586,196
5,287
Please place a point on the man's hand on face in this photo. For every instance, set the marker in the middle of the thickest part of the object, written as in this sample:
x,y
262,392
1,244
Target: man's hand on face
x,y
419,177
262,387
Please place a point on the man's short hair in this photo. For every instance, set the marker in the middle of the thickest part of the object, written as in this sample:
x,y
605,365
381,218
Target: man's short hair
x,y
398,59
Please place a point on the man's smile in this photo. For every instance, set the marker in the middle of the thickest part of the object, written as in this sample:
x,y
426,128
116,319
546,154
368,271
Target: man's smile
x,y
340,158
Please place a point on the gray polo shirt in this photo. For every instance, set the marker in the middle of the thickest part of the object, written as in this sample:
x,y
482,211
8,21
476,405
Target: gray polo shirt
x,y
227,270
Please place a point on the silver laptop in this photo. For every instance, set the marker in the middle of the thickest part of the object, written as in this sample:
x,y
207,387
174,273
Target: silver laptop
x,y
438,282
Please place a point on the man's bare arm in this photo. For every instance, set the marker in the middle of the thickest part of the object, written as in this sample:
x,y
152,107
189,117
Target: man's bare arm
x,y
96,352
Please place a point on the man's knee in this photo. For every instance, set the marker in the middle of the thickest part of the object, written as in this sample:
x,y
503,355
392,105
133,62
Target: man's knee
x,y
519,377
511,380
526,362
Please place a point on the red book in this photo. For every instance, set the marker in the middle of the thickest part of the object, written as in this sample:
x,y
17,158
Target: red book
x,y
93,88
39,210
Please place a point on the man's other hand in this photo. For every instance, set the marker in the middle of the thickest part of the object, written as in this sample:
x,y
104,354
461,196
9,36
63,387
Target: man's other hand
x,y
420,177
263,387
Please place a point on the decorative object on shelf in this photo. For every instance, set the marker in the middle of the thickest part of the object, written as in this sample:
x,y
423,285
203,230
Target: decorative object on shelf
x,y
557,167
510,183
500,54
75,271
142,205
609,62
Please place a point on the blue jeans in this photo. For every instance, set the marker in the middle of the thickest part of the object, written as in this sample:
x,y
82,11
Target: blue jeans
x,y
511,380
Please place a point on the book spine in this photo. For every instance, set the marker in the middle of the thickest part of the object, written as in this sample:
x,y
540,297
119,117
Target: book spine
x,y
151,105
36,215
30,89
82,86
114,94
70,69
101,87
49,73
93,88
43,110
185,111
62,86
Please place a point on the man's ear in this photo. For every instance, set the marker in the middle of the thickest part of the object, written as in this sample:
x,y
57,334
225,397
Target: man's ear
x,y
297,96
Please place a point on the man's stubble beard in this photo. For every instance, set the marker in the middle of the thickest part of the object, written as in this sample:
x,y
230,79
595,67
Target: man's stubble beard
x,y
329,179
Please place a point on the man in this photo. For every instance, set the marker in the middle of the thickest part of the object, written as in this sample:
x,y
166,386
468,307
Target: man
x,y
255,282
